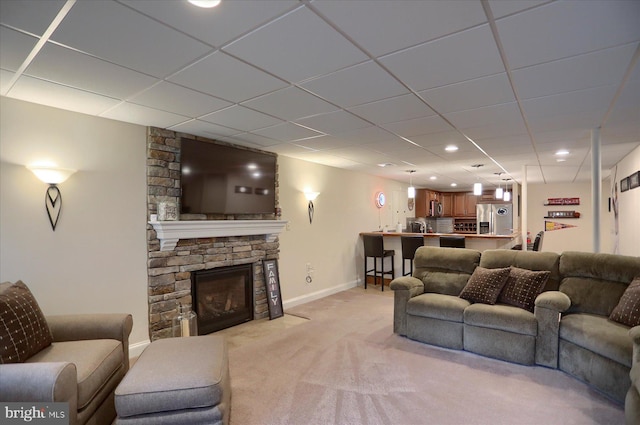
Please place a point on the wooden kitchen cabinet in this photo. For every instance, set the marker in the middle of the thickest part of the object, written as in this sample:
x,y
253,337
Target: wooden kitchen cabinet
x,y
423,197
446,199
464,204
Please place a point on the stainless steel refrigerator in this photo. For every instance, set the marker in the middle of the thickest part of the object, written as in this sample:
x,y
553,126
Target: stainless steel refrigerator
x,y
495,219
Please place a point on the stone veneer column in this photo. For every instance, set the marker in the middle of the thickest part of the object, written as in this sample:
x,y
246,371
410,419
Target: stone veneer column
x,y
169,272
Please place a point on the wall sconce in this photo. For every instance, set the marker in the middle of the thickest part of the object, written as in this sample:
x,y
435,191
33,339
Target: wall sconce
x,y
311,196
52,199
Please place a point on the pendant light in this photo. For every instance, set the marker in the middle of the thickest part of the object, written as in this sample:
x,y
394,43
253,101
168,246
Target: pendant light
x,y
411,191
477,187
507,195
499,191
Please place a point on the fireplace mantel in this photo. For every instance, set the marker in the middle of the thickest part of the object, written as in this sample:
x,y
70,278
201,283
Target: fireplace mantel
x,y
169,232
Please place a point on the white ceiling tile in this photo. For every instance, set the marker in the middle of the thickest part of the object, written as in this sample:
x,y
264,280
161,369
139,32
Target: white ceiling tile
x,y
322,143
256,139
567,28
180,100
290,104
360,154
355,85
367,135
32,16
214,26
470,94
139,42
487,115
129,112
418,126
69,67
595,69
501,8
296,58
441,140
398,108
289,149
5,79
334,122
459,57
204,129
241,118
382,27
16,46
222,76
286,132
58,96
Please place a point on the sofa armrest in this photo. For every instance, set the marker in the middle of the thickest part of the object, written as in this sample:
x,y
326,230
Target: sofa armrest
x,y
548,307
78,327
634,333
404,288
42,382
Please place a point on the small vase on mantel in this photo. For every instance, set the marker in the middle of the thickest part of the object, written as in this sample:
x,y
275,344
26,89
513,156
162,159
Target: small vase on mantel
x,y
186,322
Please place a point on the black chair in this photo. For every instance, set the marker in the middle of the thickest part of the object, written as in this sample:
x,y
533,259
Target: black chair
x,y
374,248
409,246
537,242
452,241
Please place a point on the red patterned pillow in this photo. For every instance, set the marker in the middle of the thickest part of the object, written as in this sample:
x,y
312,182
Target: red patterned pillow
x,y
522,287
485,285
23,328
627,311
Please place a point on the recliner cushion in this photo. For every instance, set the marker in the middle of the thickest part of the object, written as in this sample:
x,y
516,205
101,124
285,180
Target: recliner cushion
x,y
599,335
438,306
96,361
501,317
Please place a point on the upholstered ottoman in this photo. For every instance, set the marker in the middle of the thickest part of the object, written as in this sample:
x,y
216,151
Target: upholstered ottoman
x,y
177,381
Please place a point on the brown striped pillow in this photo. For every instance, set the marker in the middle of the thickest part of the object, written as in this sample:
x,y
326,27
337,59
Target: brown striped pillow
x,y
627,311
23,328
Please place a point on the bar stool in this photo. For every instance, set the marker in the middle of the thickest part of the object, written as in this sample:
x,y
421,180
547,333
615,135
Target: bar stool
x,y
409,246
374,247
452,241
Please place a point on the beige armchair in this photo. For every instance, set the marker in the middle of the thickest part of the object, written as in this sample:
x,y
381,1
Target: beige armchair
x,y
84,364
632,401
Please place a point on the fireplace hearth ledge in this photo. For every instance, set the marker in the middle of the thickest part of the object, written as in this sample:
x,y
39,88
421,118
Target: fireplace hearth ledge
x,y
170,232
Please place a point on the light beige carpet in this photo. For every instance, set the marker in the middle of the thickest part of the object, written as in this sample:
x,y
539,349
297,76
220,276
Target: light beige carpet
x,y
345,366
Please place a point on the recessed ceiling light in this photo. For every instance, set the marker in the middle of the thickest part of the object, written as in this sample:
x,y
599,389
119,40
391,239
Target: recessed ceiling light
x,y
562,152
433,178
451,148
205,3
454,184
561,160
386,164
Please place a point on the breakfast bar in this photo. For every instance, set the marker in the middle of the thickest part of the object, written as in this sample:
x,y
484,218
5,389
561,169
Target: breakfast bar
x,y
472,241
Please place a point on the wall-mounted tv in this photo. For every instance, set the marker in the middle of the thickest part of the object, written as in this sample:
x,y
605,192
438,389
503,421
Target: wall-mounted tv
x,y
220,179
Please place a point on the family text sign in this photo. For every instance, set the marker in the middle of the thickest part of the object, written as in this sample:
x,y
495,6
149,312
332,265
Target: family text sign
x,y
272,280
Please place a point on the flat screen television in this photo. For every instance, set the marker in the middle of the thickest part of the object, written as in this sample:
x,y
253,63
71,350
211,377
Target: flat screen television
x,y
220,179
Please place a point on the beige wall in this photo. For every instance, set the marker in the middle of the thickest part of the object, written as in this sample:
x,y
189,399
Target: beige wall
x,y
95,261
331,244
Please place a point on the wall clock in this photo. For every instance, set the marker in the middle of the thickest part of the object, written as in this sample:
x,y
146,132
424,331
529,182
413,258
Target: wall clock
x,y
380,199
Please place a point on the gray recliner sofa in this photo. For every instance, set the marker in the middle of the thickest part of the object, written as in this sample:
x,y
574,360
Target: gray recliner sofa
x,y
569,327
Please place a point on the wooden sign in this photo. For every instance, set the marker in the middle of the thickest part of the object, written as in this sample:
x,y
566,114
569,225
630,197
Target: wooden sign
x,y
272,281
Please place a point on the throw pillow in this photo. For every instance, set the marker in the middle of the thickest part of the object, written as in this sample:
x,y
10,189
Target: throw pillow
x,y
485,285
23,328
627,311
522,287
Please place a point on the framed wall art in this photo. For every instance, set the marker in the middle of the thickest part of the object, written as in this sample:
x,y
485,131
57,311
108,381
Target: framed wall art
x,y
634,180
624,184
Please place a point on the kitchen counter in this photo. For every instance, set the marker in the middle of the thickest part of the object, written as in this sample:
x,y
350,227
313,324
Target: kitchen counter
x,y
472,241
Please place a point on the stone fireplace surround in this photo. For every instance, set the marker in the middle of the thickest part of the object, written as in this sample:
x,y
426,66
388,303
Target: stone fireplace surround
x,y
169,266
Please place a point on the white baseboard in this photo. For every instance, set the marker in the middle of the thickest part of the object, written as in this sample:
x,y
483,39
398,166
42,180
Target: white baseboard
x,y
136,349
318,294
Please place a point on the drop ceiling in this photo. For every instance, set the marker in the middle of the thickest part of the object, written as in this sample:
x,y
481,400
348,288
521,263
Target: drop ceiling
x,y
349,84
